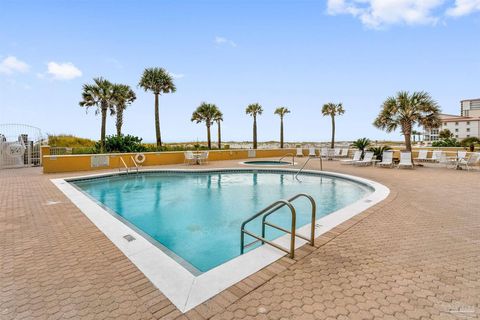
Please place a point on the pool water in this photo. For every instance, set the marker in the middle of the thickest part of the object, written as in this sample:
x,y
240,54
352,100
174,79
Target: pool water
x,y
196,217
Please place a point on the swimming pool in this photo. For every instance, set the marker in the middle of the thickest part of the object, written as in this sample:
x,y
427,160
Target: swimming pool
x,y
196,217
177,270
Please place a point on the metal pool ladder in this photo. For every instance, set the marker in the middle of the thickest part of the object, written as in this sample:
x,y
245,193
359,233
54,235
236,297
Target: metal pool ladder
x,y
268,211
127,168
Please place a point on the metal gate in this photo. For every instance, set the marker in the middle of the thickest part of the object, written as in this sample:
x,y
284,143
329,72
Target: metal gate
x,y
20,146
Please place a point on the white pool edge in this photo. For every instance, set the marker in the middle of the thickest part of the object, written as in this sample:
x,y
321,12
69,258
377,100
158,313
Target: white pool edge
x,y
181,287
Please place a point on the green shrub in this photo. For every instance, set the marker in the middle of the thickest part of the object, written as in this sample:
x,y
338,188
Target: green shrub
x,y
449,142
123,143
378,151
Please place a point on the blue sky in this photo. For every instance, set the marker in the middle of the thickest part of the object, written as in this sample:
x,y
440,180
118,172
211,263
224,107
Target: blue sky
x,y
298,54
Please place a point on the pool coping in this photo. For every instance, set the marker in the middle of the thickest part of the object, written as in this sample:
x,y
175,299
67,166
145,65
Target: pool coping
x,y
184,289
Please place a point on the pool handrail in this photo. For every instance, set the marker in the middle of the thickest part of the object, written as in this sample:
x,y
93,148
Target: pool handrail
x,y
301,169
268,211
311,240
286,155
274,206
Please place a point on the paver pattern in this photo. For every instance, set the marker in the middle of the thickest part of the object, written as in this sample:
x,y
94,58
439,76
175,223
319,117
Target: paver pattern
x,y
416,255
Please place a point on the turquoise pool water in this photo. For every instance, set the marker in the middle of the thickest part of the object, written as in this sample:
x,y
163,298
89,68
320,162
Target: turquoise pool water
x,y
196,217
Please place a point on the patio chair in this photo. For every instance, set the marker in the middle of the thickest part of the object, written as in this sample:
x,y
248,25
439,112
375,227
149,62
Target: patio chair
x,y
189,158
344,153
203,158
387,159
422,156
356,157
311,152
470,162
405,160
367,159
299,152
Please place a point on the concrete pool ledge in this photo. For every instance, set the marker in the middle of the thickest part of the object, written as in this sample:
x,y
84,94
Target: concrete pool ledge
x,y
184,289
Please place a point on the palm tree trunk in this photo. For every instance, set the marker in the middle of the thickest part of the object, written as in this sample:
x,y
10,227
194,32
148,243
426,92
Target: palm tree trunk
x,y
157,122
407,134
104,125
332,144
119,121
254,132
219,135
281,132
209,141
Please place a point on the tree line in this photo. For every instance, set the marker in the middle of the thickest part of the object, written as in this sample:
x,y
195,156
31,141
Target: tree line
x,y
402,111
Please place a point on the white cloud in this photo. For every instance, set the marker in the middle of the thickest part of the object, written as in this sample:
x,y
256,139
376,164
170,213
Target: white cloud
x,y
63,71
221,40
378,13
11,64
464,7
177,75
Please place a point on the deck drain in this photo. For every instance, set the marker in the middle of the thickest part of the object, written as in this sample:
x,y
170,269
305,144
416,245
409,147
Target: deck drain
x,y
318,225
129,237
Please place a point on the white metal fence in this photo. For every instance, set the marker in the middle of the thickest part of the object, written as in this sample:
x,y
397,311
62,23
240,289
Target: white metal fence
x,y
19,146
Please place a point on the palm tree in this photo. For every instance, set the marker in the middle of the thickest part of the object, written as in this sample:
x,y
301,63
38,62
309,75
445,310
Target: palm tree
x,y
332,110
123,96
159,81
361,144
254,110
281,111
406,110
99,94
218,118
206,112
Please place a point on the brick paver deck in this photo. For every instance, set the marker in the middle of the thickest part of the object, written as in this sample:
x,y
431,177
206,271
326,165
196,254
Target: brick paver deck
x,y
416,255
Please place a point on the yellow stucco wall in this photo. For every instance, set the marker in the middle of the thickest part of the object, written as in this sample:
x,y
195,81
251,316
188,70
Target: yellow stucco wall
x,y
70,163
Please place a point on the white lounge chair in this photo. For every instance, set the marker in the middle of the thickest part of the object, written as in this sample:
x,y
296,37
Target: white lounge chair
x,y
470,162
436,155
405,160
387,159
311,152
447,161
461,155
367,159
336,153
344,153
299,152
189,158
324,153
422,156
356,157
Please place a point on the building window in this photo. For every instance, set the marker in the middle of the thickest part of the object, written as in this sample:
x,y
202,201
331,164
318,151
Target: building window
x,y
456,136
468,129
456,123
468,122
456,130
468,136
444,123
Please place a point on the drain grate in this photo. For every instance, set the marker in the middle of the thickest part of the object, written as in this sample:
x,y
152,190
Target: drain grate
x,y
129,237
317,225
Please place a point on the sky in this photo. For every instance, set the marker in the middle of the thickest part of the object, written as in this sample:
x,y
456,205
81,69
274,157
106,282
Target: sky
x,y
297,54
